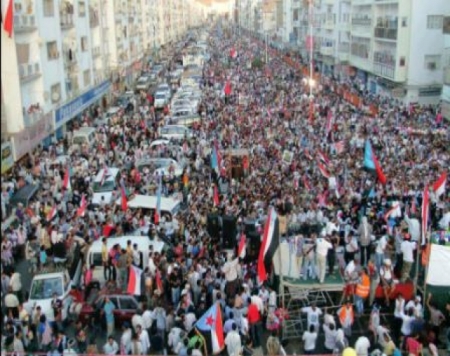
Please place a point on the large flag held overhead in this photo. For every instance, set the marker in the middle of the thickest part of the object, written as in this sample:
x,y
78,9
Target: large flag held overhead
x,y
268,245
323,170
425,211
83,205
52,213
211,327
134,281
123,196
371,162
439,185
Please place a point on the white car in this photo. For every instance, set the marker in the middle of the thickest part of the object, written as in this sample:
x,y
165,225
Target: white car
x,y
184,103
176,132
164,88
161,99
160,166
182,111
65,161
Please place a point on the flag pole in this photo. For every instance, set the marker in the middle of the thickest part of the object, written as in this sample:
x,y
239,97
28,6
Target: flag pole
x,y
281,284
426,268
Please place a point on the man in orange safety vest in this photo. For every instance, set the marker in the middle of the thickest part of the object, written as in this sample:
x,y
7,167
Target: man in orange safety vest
x,y
362,290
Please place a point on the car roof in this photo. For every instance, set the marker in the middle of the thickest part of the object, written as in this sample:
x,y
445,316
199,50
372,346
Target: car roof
x,y
110,176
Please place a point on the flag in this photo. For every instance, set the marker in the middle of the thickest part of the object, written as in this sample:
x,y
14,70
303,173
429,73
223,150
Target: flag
x,y
439,185
339,147
214,159
134,281
413,206
51,214
295,183
123,196
233,53
211,327
227,88
425,211
371,162
242,246
269,114
83,205
158,201
323,158
66,182
391,211
323,170
268,245
8,16
322,200
216,200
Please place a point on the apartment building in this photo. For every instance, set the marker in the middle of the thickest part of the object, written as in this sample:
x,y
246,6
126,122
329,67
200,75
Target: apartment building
x,y
391,47
445,106
64,56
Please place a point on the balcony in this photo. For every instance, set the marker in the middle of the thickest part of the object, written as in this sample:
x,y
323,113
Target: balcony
x,y
24,23
327,50
96,52
70,62
29,72
329,24
343,56
384,70
66,21
386,33
362,21
32,115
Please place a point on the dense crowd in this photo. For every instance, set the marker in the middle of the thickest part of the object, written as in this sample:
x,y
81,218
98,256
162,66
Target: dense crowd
x,y
336,222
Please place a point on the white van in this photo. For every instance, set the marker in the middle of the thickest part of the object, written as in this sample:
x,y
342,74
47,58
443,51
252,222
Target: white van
x,y
106,183
83,136
94,255
147,203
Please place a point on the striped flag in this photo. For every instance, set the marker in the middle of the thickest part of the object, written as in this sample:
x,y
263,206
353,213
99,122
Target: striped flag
x,y
323,170
323,158
83,205
329,124
134,281
269,244
242,246
306,183
425,212
439,185
52,213
414,205
394,208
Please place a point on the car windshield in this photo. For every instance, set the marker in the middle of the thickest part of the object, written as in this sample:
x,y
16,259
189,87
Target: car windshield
x,y
45,288
142,80
107,186
160,96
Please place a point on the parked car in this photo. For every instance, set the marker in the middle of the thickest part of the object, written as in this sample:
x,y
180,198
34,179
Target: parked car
x,y
187,120
185,103
162,99
160,166
126,306
143,83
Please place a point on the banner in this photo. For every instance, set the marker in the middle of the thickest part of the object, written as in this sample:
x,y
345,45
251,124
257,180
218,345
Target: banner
x,y
30,137
7,157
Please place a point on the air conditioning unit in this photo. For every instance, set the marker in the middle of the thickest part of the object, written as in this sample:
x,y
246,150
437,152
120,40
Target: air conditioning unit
x,y
432,66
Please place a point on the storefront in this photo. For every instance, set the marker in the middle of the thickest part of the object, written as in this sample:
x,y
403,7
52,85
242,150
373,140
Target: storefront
x,y
29,138
67,112
7,157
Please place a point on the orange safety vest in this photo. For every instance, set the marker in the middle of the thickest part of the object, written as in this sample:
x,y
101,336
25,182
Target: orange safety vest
x,y
363,288
343,315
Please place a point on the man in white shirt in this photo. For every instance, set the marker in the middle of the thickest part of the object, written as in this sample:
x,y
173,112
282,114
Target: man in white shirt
x,y
231,271
125,339
147,319
322,247
416,305
313,313
413,228
407,248
309,340
233,342
380,252
362,346
137,320
144,339
111,348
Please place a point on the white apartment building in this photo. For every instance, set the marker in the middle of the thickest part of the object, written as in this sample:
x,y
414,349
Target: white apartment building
x,y
392,47
445,106
66,55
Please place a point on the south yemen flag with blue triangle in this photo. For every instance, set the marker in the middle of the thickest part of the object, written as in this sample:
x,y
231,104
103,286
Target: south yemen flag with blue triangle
x,y
211,327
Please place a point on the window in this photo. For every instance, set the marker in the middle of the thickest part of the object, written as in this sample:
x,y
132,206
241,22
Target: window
x,y
446,25
432,61
87,77
55,90
84,44
81,9
52,50
404,21
434,22
127,304
402,61
49,8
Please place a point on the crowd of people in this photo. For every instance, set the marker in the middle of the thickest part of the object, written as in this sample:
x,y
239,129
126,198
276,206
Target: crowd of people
x,y
309,171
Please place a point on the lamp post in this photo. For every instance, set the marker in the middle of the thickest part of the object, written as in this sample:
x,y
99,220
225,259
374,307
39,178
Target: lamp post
x,y
311,59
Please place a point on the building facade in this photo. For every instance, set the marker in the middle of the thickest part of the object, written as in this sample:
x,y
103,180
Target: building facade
x,y
64,56
445,106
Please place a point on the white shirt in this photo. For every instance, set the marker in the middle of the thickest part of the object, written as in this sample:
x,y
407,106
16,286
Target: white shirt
x,y
381,245
330,337
362,346
413,228
408,248
399,307
125,340
137,320
111,350
312,316
230,269
309,340
406,324
418,309
145,341
322,246
189,321
233,343
147,319
259,303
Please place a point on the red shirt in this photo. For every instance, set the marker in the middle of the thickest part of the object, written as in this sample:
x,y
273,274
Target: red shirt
x,y
253,315
413,346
